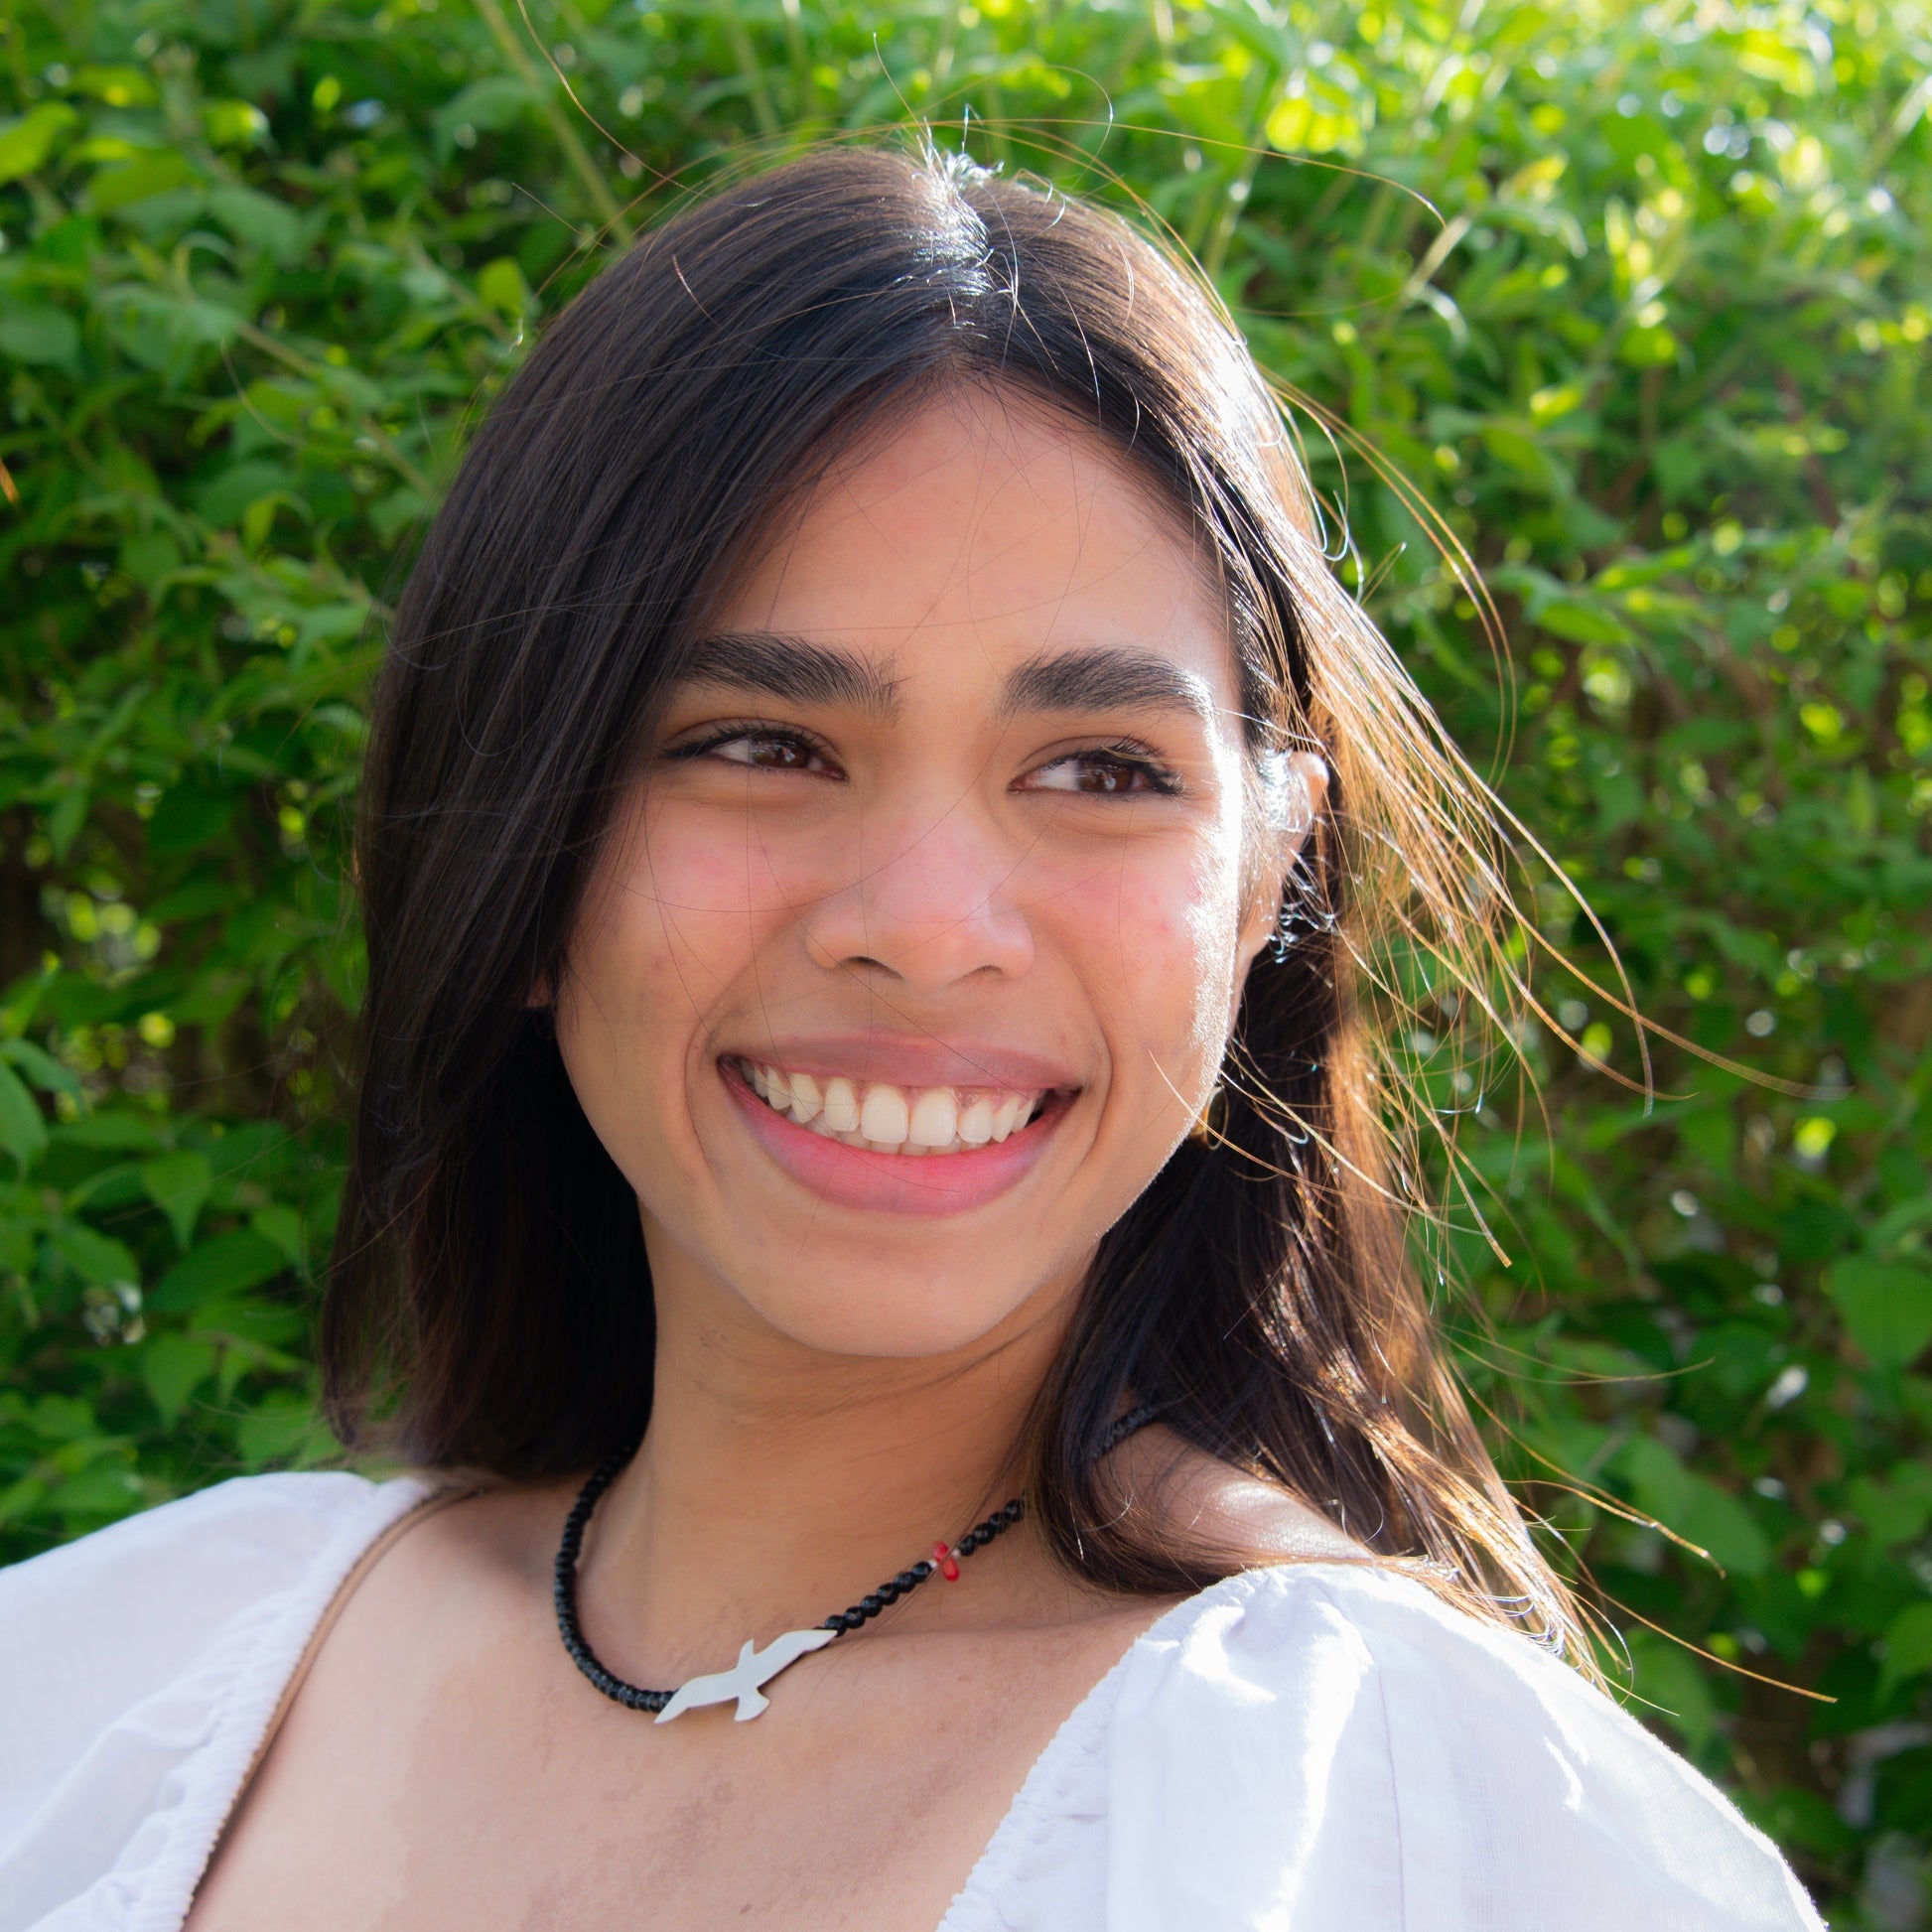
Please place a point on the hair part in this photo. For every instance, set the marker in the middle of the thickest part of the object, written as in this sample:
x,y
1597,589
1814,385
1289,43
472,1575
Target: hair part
x,y
489,1301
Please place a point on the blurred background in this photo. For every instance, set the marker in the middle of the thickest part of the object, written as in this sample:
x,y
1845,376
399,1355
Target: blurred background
x,y
1633,299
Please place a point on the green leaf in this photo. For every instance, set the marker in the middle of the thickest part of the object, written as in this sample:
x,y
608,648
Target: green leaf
x,y
117,86
27,142
283,1429
227,495
234,123
259,221
1667,1678
1908,1646
1581,623
485,107
34,332
179,1184
64,821
41,1067
283,1226
22,1129
130,181
225,1265
94,1257
173,1366
110,1132
500,285
1886,1308
190,815
1693,1507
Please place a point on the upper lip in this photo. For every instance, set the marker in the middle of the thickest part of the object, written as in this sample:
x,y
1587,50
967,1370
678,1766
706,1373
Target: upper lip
x,y
911,1061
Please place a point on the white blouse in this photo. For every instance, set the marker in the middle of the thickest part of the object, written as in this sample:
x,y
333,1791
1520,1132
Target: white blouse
x,y
1314,1747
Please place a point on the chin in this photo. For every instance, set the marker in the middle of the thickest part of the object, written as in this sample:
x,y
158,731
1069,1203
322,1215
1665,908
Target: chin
x,y
909,1314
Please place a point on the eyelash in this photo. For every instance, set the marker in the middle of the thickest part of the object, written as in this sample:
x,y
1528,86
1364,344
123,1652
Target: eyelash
x,y
723,735
1122,752
1135,758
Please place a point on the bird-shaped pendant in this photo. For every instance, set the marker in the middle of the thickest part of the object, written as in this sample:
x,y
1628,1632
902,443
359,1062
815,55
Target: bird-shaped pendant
x,y
746,1678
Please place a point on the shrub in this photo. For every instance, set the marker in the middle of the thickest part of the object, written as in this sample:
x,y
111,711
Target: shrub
x,y
1637,299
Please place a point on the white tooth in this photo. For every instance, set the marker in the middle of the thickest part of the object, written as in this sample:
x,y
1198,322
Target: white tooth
x,y
841,1106
780,1088
976,1121
884,1116
818,1126
858,1139
1008,1116
806,1099
934,1120
756,1075
911,1149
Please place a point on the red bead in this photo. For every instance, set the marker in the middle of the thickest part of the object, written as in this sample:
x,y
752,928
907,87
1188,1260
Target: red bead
x,y
943,1557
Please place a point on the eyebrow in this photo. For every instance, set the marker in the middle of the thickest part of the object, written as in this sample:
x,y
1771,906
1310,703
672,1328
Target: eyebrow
x,y
1113,677
1106,678
771,664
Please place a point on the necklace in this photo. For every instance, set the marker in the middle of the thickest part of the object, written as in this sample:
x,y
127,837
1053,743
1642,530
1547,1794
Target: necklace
x,y
744,1682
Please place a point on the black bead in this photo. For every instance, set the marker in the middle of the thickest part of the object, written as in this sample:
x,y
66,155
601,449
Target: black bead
x,y
872,1606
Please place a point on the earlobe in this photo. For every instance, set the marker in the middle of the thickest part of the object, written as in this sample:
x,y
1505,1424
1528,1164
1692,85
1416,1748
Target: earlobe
x,y
1295,786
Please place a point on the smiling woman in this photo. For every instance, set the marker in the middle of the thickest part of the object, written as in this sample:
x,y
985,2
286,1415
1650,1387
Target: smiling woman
x,y
876,813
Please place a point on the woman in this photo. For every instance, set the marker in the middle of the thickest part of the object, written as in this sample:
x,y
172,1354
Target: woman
x,y
875,808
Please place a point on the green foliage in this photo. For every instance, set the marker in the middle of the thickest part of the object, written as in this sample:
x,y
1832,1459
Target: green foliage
x,y
1638,298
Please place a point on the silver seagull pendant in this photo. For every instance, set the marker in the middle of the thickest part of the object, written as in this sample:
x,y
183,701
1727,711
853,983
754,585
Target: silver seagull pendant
x,y
746,1678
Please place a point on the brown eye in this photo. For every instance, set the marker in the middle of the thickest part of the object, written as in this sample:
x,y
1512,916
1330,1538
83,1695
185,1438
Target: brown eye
x,y
777,753
1101,774
760,750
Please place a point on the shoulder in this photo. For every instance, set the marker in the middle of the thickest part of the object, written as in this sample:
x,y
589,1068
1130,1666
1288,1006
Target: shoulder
x,y
1336,1729
92,1623
135,1658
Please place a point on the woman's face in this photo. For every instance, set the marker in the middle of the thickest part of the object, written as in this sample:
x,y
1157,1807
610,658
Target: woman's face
x,y
915,953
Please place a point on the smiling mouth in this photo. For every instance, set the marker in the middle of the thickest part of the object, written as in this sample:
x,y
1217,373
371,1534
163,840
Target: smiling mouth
x,y
888,1119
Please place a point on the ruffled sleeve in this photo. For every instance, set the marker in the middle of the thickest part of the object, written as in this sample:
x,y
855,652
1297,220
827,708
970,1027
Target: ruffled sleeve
x,y
139,1668
1326,1746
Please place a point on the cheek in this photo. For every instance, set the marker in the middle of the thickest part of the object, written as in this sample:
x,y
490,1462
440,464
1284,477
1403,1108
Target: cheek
x,y
681,914
671,931
1154,935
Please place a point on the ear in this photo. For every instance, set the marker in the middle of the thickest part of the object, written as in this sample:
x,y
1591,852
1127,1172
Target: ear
x,y
1293,792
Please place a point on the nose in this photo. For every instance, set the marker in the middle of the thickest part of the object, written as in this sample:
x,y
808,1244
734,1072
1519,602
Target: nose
x,y
932,905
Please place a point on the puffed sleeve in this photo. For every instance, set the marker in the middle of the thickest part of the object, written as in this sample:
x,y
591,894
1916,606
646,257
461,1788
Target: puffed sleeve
x,y
1330,1746
138,1668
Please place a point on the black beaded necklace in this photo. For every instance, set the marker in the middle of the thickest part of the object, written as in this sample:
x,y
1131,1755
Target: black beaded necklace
x,y
744,1682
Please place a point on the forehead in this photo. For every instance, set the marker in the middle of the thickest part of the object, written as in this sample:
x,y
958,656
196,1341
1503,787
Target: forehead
x,y
978,531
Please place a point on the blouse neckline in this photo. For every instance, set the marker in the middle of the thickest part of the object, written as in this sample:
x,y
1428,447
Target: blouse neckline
x,y
1036,1806
249,1722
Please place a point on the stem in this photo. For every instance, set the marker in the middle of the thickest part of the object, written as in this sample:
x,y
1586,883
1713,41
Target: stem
x,y
585,170
746,55
319,374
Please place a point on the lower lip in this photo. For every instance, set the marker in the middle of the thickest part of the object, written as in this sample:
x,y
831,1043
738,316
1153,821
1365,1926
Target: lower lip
x,y
893,1184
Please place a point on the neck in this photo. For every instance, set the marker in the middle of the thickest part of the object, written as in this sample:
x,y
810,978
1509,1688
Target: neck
x,y
778,1484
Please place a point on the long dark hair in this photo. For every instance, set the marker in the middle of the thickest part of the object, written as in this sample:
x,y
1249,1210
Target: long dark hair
x,y
489,1305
